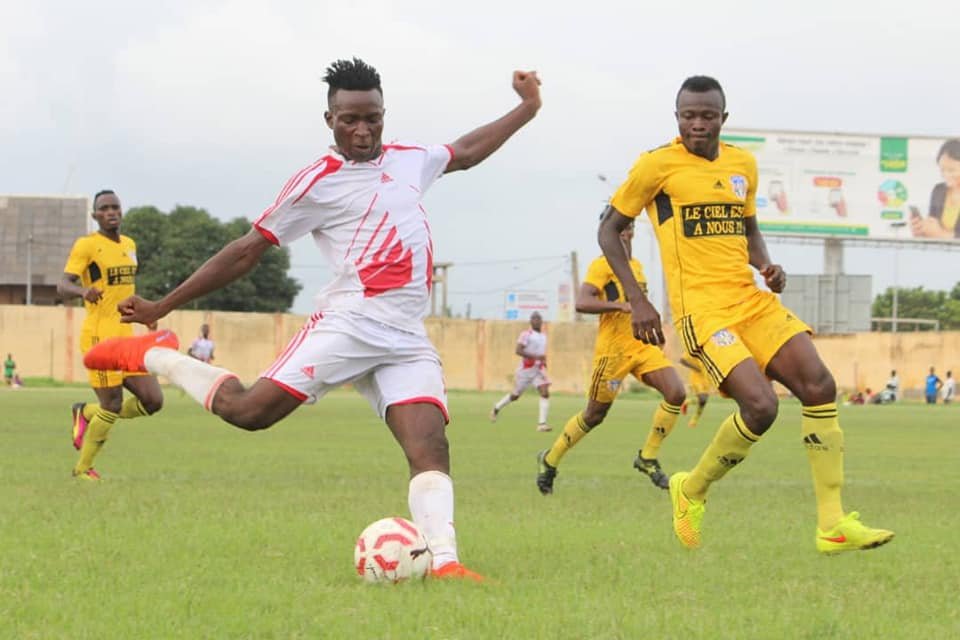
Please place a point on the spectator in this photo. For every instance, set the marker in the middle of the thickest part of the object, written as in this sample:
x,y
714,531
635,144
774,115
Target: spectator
x,y
202,347
9,367
949,389
933,385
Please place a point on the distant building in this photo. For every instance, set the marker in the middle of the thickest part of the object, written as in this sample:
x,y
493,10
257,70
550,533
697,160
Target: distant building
x,y
36,234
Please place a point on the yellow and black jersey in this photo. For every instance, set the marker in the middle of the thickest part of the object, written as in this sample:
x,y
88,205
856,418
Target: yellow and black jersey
x,y
616,330
697,207
110,267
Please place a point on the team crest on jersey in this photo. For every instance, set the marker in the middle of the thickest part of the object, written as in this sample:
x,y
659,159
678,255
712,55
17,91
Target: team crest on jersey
x,y
723,338
133,256
739,184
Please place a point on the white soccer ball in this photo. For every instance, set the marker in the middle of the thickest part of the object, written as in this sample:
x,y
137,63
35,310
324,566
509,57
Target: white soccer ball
x,y
392,550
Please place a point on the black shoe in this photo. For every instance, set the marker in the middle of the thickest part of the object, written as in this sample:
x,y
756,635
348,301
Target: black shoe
x,y
651,467
545,474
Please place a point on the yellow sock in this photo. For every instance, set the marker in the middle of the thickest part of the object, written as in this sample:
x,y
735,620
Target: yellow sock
x,y
730,446
573,432
664,419
89,410
132,408
97,432
824,442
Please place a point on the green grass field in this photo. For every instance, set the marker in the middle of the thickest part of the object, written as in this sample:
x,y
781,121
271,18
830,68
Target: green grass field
x,y
200,530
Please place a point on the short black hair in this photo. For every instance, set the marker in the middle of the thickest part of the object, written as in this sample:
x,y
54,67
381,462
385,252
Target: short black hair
x,y
701,84
351,75
950,148
102,192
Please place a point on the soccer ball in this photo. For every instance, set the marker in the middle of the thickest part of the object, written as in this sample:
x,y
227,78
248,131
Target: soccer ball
x,y
392,550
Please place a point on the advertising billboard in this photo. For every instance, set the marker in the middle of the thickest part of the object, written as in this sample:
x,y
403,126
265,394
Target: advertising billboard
x,y
846,185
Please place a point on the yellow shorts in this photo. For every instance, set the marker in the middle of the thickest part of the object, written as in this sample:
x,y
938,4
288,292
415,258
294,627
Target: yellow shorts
x,y
754,329
609,370
103,379
700,383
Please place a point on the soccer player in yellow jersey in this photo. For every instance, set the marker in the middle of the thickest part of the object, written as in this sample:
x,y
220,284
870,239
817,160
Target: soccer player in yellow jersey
x,y
700,385
700,196
617,354
101,270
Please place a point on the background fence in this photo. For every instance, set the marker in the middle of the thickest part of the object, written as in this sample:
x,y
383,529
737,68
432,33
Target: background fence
x,y
477,354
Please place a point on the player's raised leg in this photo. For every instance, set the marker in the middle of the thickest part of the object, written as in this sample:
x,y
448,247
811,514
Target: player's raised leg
x,y
578,426
503,402
668,383
798,366
216,389
757,409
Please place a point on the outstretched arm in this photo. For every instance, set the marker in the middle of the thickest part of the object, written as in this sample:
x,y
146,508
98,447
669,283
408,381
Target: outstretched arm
x,y
773,274
476,146
233,261
646,319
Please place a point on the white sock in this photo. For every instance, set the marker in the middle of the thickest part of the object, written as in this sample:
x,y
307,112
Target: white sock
x,y
504,401
199,379
431,505
544,408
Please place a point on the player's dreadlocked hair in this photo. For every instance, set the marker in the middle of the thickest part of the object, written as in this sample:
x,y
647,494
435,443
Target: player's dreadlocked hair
x,y
102,192
351,75
702,84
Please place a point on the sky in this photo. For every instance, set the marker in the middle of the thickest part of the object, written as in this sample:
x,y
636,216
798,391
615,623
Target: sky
x,y
215,103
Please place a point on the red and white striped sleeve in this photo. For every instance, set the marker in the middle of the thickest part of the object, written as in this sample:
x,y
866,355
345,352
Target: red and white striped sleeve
x,y
295,213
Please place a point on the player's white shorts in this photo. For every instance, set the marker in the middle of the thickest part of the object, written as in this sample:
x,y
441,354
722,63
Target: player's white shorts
x,y
529,377
386,365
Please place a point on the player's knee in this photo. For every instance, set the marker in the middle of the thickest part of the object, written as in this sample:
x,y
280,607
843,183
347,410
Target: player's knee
x,y
760,412
113,405
429,452
702,398
593,417
674,395
248,418
821,389
152,404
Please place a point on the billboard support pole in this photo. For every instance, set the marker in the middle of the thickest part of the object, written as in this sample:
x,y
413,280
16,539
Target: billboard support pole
x,y
833,256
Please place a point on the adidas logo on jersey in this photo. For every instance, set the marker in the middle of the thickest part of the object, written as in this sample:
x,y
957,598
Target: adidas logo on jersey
x,y
384,178
718,185
308,371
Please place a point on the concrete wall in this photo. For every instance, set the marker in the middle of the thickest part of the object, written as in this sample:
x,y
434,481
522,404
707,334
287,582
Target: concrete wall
x,y
477,354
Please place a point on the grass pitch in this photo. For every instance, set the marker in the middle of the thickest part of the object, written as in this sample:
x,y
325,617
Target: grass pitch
x,y
200,530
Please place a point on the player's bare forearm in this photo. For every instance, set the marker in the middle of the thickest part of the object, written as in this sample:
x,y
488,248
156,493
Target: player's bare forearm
x,y
476,146
69,287
756,246
230,263
611,225
589,301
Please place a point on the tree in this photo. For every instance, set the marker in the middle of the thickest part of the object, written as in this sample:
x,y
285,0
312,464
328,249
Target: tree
x,y
919,303
170,247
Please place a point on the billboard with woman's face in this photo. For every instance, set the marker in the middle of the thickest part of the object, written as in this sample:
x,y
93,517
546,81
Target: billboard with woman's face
x,y
855,185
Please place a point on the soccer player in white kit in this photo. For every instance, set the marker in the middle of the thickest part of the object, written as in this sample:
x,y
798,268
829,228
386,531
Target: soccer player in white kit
x,y
532,372
361,202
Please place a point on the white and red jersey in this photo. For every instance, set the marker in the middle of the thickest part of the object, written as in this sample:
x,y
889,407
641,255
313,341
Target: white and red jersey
x,y
367,220
534,343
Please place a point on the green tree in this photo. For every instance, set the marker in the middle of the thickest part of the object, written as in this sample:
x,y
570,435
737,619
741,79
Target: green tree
x,y
170,247
918,302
